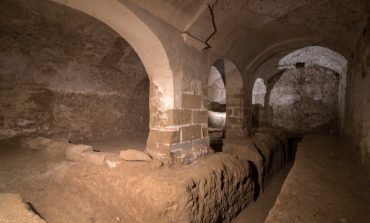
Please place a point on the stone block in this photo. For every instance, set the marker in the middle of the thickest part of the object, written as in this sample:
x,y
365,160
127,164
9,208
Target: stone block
x,y
200,116
191,132
179,117
188,155
205,142
180,146
164,136
191,101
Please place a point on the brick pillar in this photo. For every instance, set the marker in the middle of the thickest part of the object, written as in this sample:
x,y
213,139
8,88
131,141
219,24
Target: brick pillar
x,y
234,114
194,140
180,135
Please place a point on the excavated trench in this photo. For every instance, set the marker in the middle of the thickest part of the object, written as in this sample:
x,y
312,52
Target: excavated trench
x,y
38,170
258,211
61,190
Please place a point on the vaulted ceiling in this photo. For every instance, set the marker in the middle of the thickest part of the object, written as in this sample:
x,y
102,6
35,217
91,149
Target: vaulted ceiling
x,y
250,31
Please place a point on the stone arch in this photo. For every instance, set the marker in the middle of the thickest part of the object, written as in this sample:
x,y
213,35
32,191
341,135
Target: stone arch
x,y
266,62
234,97
323,57
258,101
315,55
151,52
216,98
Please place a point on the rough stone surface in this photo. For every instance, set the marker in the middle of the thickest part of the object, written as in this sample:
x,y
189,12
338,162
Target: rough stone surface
x,y
14,210
358,103
304,99
134,155
267,151
63,72
56,148
191,101
212,189
209,190
316,55
76,152
52,148
320,185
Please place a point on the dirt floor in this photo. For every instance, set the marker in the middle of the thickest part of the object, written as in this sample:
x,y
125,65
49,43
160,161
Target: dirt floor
x,y
61,190
29,173
326,184
258,211
14,210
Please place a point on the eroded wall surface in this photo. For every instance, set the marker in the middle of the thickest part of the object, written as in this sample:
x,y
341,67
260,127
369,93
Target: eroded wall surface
x,y
358,99
65,73
304,99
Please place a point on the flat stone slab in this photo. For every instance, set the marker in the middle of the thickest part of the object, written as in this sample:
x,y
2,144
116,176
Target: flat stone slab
x,y
134,155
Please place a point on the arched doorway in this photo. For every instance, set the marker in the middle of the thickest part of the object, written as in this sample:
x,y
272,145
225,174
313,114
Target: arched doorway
x,y
258,102
226,102
153,55
323,57
308,68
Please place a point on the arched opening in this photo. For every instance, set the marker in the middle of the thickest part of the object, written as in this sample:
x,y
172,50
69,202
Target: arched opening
x,y
307,93
303,100
225,102
216,108
154,57
258,102
72,78
320,56
304,83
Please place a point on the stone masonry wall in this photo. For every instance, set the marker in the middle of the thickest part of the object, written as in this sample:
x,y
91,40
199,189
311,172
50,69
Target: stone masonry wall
x,y
186,134
303,100
234,101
